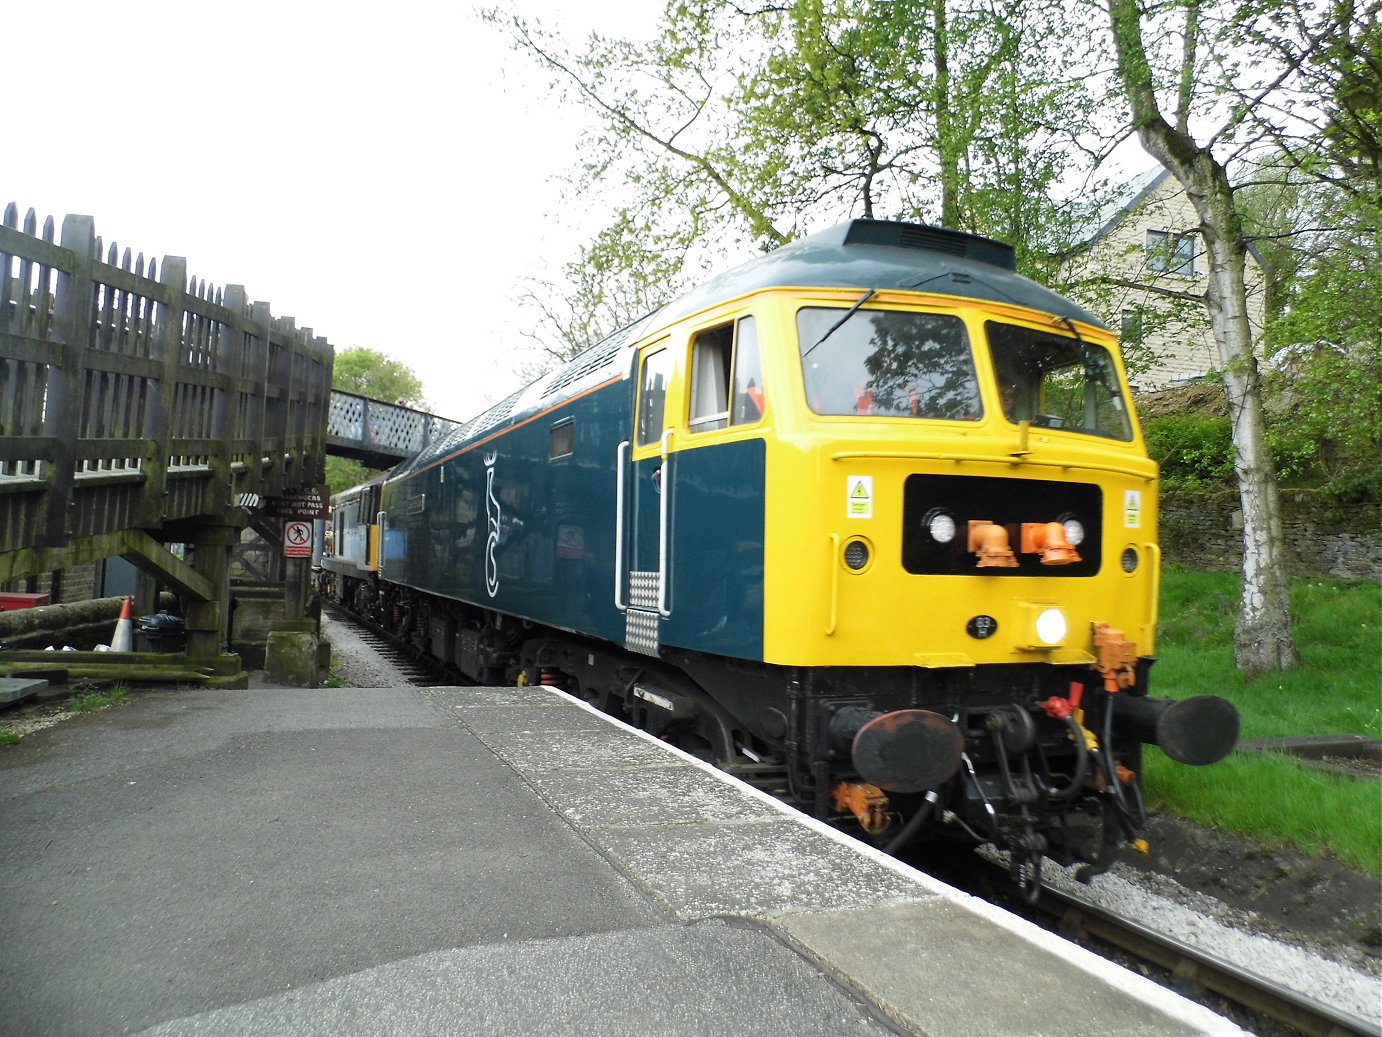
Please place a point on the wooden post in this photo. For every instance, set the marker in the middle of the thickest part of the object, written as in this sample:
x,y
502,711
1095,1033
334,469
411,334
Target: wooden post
x,y
165,348
212,543
66,379
262,374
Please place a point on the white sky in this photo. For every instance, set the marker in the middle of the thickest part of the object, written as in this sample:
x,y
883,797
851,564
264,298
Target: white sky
x,y
381,172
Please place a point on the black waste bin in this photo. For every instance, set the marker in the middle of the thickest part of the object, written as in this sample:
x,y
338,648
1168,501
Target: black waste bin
x,y
162,632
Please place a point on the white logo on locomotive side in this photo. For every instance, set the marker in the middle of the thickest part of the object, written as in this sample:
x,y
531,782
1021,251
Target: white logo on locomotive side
x,y
492,514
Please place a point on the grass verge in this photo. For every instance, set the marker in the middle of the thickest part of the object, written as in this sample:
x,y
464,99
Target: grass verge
x,y
1269,796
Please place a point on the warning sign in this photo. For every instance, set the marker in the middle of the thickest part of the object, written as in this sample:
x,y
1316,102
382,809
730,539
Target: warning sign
x,y
304,502
859,502
1132,509
297,540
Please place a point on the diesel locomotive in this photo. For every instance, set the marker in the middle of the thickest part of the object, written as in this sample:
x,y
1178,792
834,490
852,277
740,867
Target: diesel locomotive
x,y
867,520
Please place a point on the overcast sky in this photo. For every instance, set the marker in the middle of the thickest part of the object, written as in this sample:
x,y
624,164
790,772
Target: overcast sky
x,y
384,173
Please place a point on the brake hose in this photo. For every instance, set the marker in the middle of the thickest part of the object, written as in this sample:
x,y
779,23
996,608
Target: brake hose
x,y
913,825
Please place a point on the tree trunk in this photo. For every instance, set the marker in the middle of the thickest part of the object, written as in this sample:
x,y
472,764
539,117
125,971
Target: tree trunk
x,y
1262,640
947,150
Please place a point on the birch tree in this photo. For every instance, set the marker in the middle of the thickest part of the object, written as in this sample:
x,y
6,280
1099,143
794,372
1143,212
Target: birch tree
x,y
1263,638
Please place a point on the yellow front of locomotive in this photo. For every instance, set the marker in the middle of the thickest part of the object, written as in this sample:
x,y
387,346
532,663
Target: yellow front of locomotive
x,y
954,483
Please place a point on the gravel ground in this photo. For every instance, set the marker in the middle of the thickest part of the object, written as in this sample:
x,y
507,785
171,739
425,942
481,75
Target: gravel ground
x,y
357,664
1327,972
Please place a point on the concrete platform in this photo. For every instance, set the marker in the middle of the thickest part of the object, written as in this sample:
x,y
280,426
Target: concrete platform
x,y
19,689
486,861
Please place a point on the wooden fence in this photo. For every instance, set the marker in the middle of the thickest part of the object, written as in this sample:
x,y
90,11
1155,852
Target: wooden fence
x,y
131,399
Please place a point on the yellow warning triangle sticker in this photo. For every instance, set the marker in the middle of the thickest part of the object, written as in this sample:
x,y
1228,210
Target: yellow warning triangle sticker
x,y
859,490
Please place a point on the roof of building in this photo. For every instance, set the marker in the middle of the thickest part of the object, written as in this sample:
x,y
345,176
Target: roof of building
x,y
1107,215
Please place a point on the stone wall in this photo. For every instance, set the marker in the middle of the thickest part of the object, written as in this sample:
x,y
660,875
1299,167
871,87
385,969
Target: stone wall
x,y
75,584
1323,537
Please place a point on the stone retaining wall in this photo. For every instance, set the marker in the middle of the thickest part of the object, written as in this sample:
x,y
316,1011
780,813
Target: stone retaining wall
x,y
1204,530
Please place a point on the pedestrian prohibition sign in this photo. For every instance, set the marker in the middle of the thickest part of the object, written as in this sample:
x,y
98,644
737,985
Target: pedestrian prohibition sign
x,y
297,540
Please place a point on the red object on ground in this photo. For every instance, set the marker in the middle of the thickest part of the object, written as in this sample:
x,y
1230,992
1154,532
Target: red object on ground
x,y
123,641
10,601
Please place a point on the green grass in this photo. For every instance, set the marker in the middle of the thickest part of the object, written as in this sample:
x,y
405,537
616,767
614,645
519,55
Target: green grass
x,y
98,699
1337,689
8,737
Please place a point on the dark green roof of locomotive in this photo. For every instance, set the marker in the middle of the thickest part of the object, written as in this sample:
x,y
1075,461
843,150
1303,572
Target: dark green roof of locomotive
x,y
881,255
860,254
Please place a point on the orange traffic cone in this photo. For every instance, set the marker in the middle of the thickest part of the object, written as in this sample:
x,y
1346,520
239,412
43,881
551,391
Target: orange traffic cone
x,y
123,641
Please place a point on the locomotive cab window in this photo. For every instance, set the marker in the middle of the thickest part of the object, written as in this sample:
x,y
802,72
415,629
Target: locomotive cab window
x,y
726,377
1058,382
888,363
652,395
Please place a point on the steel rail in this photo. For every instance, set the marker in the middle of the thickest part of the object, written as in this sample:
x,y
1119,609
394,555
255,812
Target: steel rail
x,y
1191,965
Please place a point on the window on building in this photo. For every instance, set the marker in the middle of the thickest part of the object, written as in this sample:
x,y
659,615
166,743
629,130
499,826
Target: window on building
x,y
1170,253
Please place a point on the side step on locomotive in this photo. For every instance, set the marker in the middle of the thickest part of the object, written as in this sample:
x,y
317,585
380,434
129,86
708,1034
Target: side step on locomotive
x,y
867,521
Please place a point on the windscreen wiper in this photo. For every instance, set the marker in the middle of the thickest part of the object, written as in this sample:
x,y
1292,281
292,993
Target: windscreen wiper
x,y
836,326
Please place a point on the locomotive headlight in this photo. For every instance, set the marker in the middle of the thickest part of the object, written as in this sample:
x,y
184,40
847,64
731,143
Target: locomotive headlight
x,y
1129,560
940,525
1074,530
1044,627
1051,627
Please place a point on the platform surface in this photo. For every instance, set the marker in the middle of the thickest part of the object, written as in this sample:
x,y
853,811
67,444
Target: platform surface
x,y
480,861
19,689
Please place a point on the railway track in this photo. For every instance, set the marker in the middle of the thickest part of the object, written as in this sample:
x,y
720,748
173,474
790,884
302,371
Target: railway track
x,y
417,670
1192,968
1214,981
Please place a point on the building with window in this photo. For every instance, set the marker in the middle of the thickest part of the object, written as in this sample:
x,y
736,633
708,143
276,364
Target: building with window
x,y
1142,268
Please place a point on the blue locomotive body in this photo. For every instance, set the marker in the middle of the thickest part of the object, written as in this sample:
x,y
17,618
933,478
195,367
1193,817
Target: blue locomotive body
x,y
521,515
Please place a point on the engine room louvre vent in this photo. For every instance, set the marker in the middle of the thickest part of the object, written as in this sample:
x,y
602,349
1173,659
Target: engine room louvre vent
x,y
592,360
934,239
494,416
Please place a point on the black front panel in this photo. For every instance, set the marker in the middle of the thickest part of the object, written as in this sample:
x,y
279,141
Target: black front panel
x,y
1007,502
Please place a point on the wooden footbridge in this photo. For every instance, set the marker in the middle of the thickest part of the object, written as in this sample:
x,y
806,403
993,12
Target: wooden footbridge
x,y
147,416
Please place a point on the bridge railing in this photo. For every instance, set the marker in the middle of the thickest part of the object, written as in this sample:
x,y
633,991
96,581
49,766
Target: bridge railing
x,y
131,397
379,434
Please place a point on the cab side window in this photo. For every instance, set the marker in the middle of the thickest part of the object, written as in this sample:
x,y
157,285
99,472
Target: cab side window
x,y
726,377
748,375
712,355
652,396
